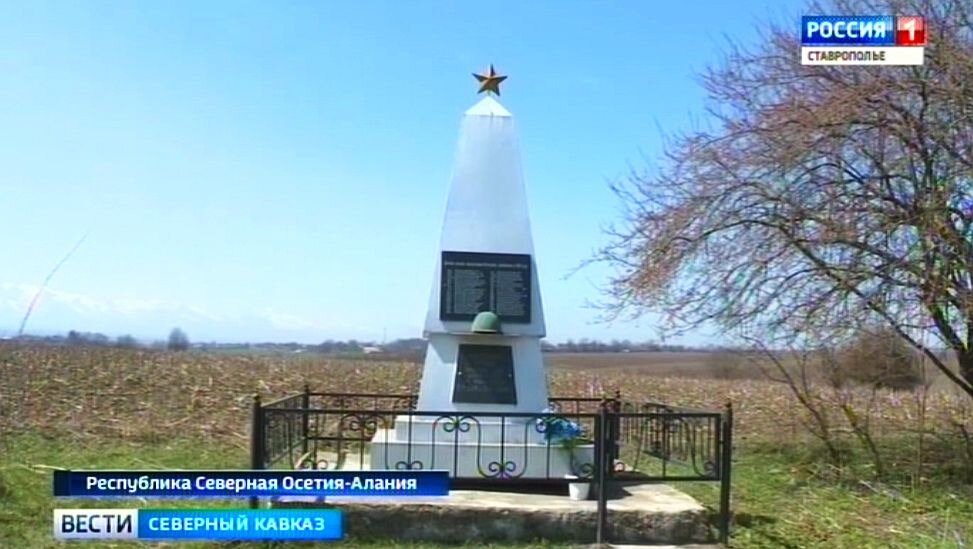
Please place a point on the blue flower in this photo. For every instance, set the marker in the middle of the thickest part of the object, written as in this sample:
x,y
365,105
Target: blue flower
x,y
966,206
559,430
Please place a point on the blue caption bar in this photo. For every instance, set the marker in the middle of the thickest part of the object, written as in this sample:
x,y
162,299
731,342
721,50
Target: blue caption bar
x,y
249,524
249,483
848,30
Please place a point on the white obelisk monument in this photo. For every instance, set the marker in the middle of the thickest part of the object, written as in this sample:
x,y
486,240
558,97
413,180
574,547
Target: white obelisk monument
x,y
486,263
485,319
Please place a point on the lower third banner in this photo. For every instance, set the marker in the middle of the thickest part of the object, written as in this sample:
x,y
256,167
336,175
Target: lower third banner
x,y
198,524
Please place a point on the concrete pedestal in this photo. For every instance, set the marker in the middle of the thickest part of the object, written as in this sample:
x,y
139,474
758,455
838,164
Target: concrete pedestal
x,y
469,459
476,447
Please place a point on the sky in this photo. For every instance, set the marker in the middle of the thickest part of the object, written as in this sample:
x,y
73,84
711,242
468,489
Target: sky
x,y
278,171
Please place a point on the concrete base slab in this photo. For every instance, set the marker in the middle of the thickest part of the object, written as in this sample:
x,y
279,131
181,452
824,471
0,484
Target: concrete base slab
x,y
691,546
645,514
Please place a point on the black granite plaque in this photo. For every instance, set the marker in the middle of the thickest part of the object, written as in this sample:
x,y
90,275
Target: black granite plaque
x,y
485,375
475,282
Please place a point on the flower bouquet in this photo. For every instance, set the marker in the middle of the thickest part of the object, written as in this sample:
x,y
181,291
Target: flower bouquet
x,y
568,435
561,431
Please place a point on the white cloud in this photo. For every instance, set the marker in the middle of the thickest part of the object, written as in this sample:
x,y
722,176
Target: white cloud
x,y
61,310
287,321
17,297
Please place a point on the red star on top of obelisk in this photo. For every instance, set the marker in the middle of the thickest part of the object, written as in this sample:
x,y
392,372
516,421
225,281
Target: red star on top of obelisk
x,y
489,82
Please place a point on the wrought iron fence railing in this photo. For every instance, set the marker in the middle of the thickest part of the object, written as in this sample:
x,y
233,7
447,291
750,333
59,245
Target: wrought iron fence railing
x,y
617,441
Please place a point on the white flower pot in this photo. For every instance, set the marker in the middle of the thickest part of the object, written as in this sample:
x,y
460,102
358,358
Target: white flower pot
x,y
578,491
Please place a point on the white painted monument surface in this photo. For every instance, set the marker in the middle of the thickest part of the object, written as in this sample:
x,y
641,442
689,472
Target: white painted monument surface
x,y
486,212
486,263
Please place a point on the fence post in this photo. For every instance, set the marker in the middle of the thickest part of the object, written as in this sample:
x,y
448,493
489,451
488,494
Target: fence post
x,y
305,418
616,424
601,453
726,456
256,441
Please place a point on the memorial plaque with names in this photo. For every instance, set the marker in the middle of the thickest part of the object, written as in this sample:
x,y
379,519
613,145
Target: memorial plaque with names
x,y
485,375
473,282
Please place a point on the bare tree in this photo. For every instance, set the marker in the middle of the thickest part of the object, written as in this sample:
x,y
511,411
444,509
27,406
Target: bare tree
x,y
178,340
823,198
878,358
818,419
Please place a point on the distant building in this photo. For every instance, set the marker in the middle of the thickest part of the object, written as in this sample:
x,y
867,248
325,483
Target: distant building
x,y
371,350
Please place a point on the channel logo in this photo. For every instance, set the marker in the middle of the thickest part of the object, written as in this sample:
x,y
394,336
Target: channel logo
x,y
862,39
910,31
198,524
96,524
835,30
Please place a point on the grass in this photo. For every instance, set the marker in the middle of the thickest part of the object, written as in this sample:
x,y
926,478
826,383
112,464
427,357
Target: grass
x,y
101,408
783,497
25,477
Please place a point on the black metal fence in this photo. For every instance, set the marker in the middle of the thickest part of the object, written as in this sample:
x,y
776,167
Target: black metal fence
x,y
610,442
